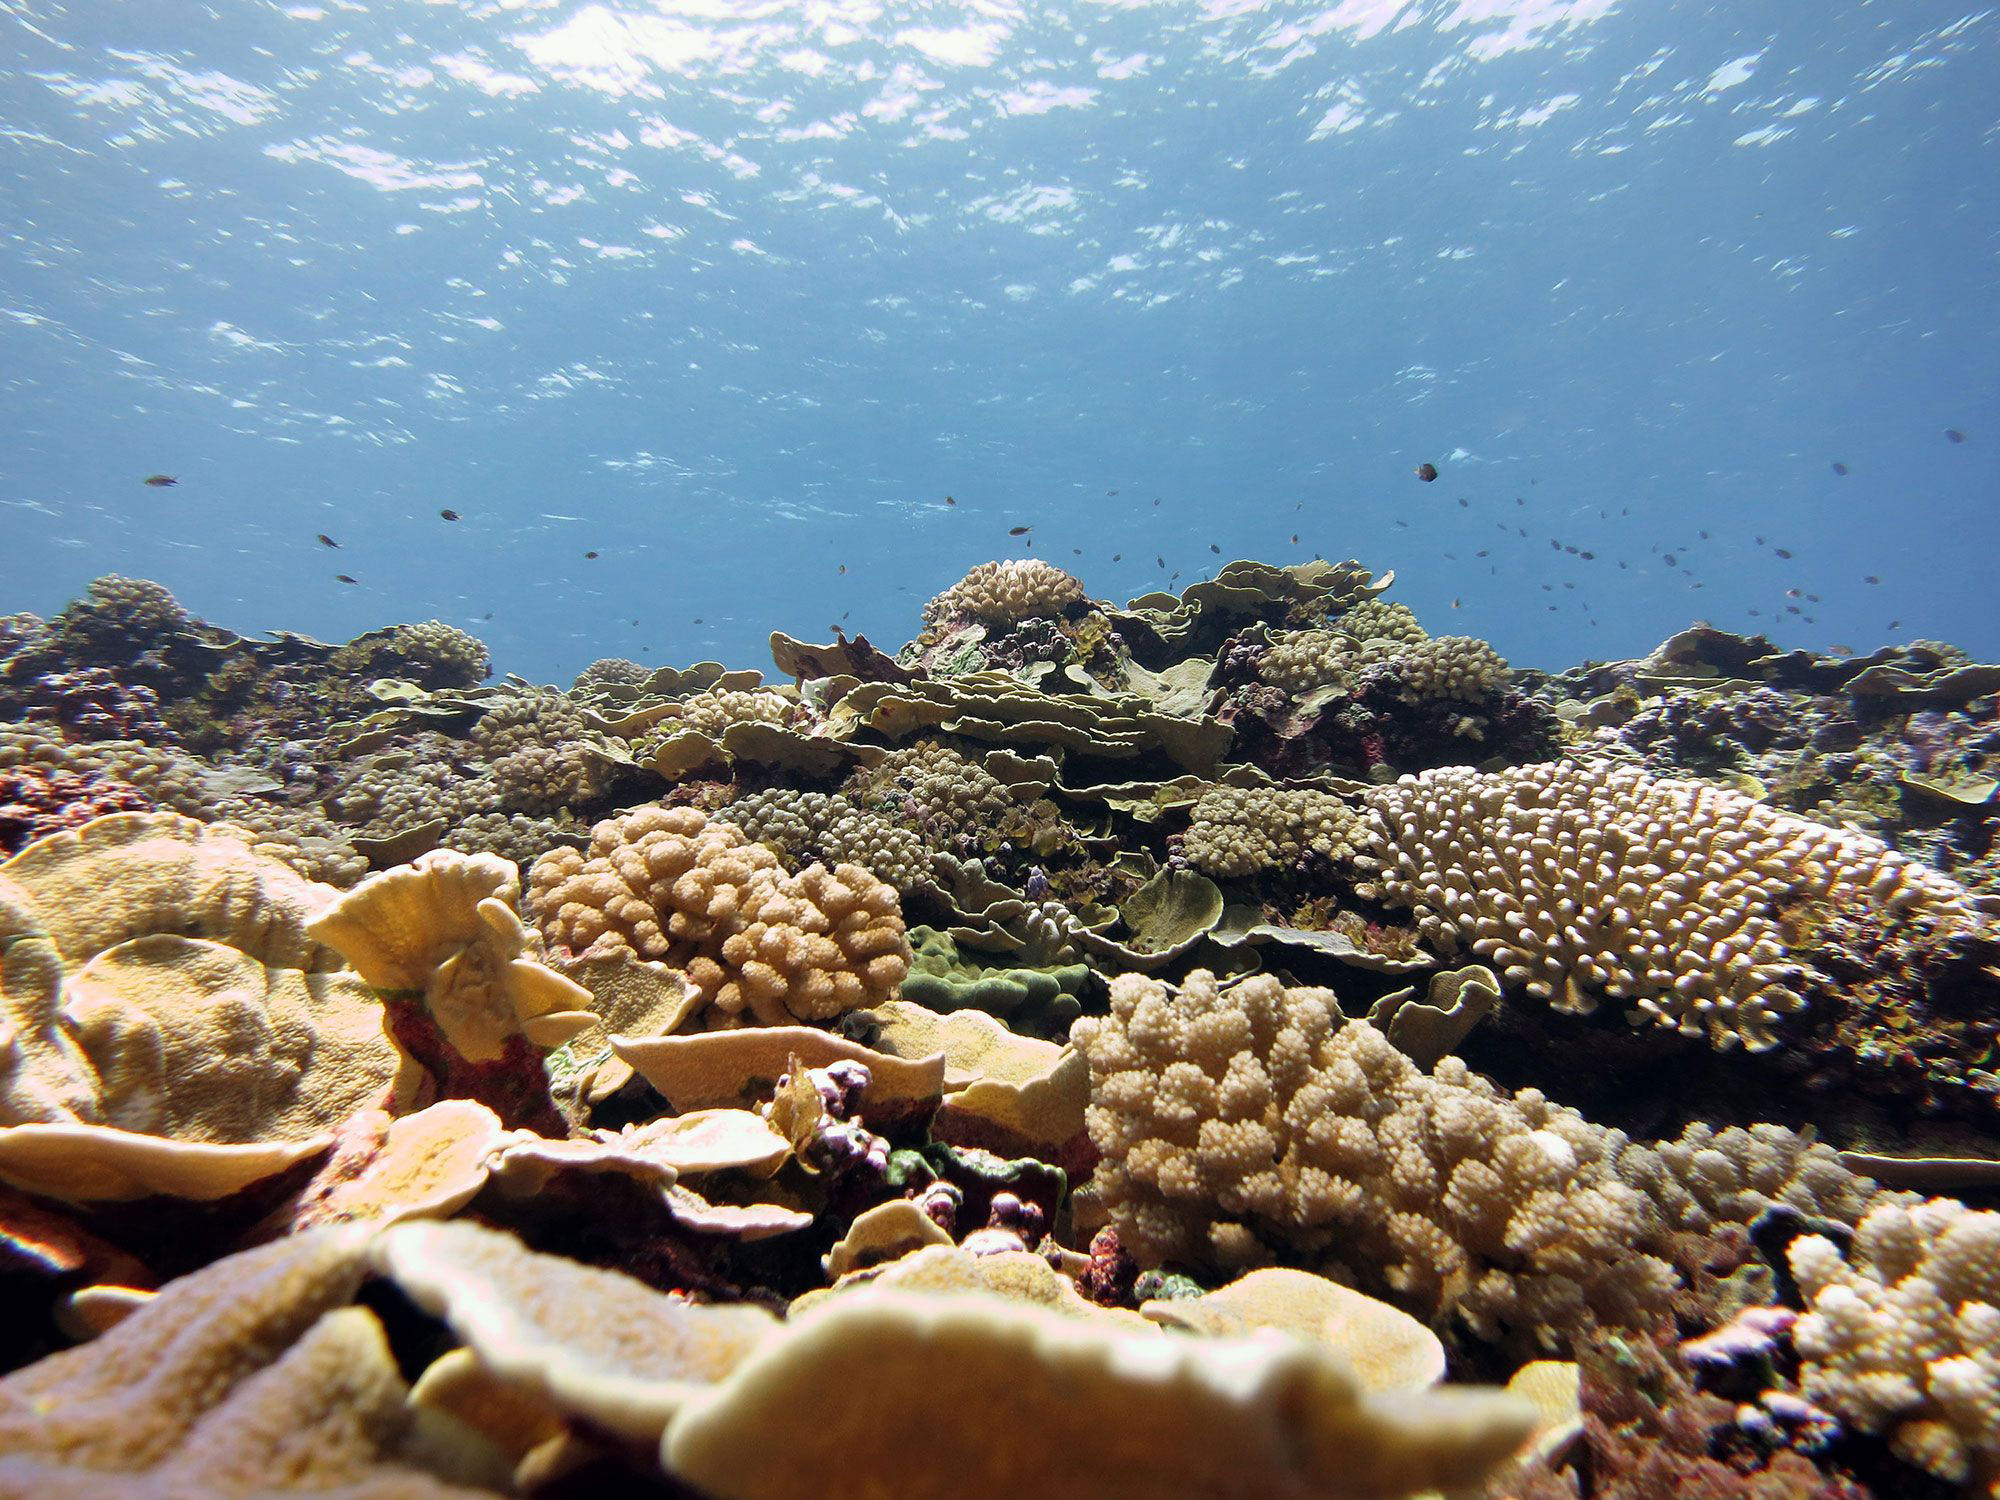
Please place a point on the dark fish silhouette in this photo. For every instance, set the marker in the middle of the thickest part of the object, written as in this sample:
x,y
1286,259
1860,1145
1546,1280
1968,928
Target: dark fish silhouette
x,y
1952,434
343,578
325,540
1871,578
160,481
449,515
843,567
1671,561
949,501
1215,549
1467,504
590,556
1425,472
1781,552
1840,468
1019,530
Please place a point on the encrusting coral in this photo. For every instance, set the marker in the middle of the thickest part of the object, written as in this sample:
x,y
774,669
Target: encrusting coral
x,y
1576,881
160,979
759,943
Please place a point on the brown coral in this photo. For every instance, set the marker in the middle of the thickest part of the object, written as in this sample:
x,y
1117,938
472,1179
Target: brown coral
x,y
1005,593
757,942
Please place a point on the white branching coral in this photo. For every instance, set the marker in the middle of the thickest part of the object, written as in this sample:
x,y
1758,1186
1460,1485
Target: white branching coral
x,y
1902,1335
1579,880
1005,593
1233,1124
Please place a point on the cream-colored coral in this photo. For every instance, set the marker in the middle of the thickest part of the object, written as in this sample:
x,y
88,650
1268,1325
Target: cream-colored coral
x,y
902,1387
129,1399
1709,1177
1902,1334
596,1343
1458,667
1378,622
1235,1124
1238,831
445,928
831,828
712,711
159,978
932,788
758,943
1303,660
1580,880
1005,593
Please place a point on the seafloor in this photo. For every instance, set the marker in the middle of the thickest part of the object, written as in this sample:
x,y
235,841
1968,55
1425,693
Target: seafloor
x,y
1235,1044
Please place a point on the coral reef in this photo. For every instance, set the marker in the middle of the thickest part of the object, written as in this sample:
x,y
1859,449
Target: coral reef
x,y
415,1085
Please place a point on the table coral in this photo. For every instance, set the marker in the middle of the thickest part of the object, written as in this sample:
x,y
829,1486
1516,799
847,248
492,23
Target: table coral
x,y
1581,880
758,943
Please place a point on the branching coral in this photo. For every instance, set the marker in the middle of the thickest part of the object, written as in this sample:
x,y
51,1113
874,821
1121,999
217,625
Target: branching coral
x,y
757,942
1580,880
1006,593
1902,1334
1237,1124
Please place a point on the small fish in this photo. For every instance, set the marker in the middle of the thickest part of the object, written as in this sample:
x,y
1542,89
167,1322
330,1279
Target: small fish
x,y
1463,503
1295,539
590,556
1076,552
1671,561
1480,553
1839,650
1952,434
325,540
487,616
449,515
1781,552
1118,557
1403,524
1519,501
160,481
843,567
697,619
1019,530
949,501
1454,604
1791,593
1160,561
1425,472
1703,535
1756,611
343,578
1156,499
1895,625
1111,492
1840,468
1870,578
1588,556
1215,549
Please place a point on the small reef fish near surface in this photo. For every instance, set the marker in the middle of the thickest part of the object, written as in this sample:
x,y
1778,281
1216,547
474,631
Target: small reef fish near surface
x,y
160,481
1426,472
448,515
325,540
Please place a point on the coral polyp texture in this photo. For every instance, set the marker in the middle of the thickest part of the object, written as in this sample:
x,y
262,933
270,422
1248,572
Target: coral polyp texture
x,y
1580,882
941,1069
758,943
1236,1125
1901,1334
1006,593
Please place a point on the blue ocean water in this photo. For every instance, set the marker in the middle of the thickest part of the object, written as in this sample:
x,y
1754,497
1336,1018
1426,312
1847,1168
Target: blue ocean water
x,y
733,296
